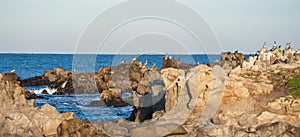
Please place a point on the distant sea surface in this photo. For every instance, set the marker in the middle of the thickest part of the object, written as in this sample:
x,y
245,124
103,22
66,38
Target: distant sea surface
x,y
30,65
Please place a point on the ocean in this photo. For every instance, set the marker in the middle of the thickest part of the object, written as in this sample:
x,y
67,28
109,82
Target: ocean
x,y
30,65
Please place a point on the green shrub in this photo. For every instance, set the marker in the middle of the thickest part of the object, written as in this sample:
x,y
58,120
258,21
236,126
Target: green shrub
x,y
295,85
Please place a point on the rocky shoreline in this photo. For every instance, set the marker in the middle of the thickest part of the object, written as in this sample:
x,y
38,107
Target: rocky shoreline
x,y
233,97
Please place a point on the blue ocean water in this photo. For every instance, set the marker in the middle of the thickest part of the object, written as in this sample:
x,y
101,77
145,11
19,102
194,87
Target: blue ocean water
x,y
30,65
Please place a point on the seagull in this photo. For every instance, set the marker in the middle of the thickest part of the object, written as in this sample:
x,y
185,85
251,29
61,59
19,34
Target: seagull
x,y
122,61
265,43
13,70
165,57
145,64
133,59
64,84
170,57
153,65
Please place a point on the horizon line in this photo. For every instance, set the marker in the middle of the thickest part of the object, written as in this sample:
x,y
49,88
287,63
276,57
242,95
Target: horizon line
x,y
71,53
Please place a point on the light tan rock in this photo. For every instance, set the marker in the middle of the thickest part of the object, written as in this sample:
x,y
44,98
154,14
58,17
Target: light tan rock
x,y
68,115
247,120
241,92
268,117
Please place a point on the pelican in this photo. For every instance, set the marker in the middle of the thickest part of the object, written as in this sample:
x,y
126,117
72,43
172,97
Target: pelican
x,y
13,70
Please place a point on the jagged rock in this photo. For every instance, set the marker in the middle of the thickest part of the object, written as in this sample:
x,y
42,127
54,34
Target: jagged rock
x,y
274,129
112,97
11,77
35,81
169,63
21,118
143,87
247,120
78,127
232,60
30,95
173,82
17,124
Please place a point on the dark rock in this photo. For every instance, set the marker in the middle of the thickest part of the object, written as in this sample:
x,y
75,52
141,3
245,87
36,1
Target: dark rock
x,y
35,81
169,63
232,60
44,92
12,78
112,97
97,103
30,95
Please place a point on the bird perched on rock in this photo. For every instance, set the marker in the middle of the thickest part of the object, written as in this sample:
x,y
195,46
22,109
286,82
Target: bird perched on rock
x,y
146,62
133,59
153,65
274,46
122,61
264,45
165,57
13,70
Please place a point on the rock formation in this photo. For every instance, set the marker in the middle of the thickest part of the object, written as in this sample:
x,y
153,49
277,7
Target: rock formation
x,y
22,118
19,117
232,60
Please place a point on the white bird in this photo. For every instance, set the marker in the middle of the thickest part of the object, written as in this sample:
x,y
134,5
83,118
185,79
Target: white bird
x,y
122,61
13,70
64,84
133,59
170,57
153,65
146,62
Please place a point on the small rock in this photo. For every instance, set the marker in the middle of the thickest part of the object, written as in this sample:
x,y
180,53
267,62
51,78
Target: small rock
x,y
68,115
241,92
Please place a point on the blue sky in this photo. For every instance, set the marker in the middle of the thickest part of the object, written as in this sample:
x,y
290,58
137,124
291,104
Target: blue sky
x,y
53,26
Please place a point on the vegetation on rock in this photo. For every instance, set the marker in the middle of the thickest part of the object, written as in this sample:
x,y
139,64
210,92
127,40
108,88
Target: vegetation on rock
x,y
294,84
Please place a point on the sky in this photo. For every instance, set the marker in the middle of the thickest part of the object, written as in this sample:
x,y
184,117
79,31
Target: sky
x,y
56,26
